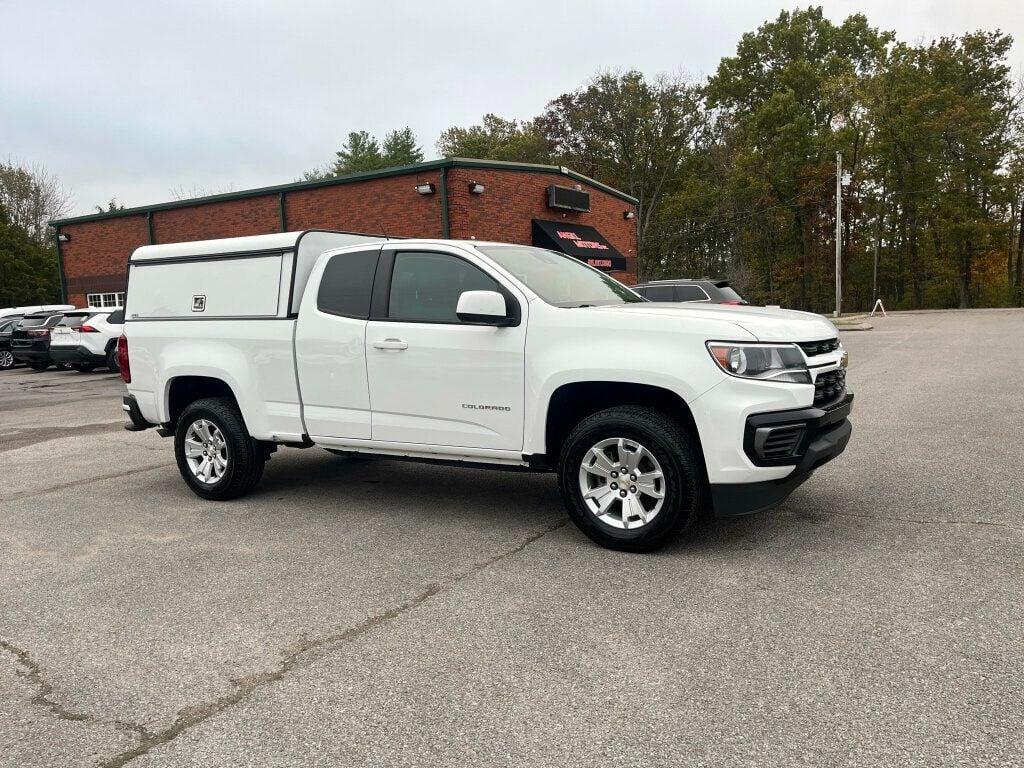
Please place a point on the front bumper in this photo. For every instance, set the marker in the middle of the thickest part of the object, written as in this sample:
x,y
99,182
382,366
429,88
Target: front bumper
x,y
79,354
826,434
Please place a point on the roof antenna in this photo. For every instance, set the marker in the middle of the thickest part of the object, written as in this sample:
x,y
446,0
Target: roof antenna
x,y
382,230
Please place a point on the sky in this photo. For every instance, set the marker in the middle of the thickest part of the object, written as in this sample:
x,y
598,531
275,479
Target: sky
x,y
141,100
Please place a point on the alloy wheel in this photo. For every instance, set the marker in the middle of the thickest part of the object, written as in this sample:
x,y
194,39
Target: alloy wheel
x,y
206,451
622,483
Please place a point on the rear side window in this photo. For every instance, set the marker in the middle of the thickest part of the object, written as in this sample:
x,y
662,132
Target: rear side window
x,y
346,284
425,287
729,294
660,293
73,321
690,293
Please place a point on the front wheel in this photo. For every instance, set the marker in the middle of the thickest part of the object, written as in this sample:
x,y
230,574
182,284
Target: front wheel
x,y
6,359
215,454
631,478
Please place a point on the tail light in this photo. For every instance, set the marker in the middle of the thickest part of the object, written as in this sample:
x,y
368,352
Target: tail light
x,y
122,359
40,333
87,329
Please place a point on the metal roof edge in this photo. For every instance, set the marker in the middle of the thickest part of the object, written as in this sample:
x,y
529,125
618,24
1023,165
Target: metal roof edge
x,y
400,170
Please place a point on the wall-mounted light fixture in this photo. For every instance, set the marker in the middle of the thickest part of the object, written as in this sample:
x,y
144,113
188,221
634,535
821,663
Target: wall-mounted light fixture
x,y
628,215
425,189
63,238
476,188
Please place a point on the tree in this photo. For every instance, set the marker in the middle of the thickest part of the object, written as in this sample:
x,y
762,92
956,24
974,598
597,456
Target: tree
x,y
790,95
629,133
360,153
32,197
113,205
400,148
28,268
497,139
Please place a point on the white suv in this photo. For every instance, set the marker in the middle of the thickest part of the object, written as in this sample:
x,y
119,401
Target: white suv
x,y
91,344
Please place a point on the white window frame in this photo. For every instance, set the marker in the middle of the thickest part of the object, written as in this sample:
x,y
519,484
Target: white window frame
x,y
105,300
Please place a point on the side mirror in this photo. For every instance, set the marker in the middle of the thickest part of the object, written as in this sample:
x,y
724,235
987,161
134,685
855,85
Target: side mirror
x,y
483,308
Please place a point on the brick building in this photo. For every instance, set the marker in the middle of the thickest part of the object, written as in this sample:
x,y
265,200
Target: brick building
x,y
457,198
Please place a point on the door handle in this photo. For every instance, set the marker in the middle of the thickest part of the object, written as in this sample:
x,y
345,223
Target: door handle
x,y
391,344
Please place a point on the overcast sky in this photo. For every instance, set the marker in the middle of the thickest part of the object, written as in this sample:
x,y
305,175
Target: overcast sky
x,y
133,99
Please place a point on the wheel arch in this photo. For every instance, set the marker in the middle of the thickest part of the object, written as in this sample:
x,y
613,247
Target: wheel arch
x,y
185,389
574,401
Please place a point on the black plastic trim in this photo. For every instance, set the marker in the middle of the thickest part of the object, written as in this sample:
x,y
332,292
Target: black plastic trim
x,y
259,254
138,422
815,421
79,354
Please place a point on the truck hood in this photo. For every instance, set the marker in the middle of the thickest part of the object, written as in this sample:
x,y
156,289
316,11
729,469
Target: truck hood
x,y
765,324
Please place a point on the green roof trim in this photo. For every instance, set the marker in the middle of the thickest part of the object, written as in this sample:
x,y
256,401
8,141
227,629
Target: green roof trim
x,y
401,170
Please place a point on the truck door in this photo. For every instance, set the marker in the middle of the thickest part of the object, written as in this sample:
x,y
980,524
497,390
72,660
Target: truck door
x,y
330,345
435,380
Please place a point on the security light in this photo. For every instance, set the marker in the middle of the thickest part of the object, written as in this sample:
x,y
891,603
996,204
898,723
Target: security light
x,y
628,215
425,189
476,188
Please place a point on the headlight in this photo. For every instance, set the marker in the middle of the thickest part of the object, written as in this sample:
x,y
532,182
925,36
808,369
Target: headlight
x,y
765,362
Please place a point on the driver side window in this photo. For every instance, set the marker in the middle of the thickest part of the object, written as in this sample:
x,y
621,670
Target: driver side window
x,y
425,287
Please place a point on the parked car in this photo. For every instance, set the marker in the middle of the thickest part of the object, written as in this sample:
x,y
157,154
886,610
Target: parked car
x,y
8,312
30,339
705,290
6,327
89,344
476,353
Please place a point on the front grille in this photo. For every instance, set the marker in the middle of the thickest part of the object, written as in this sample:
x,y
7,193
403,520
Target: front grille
x,y
829,386
812,348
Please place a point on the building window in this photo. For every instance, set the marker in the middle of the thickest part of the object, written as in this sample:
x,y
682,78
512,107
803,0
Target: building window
x,y
105,300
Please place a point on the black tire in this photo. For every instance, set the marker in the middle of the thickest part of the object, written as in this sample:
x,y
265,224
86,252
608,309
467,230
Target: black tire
x,y
245,457
6,360
112,363
64,366
84,367
683,484
38,366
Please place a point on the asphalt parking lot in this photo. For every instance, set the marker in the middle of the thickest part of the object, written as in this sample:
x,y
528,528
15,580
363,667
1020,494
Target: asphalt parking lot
x,y
387,613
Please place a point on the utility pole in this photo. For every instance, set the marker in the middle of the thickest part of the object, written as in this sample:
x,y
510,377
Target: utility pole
x,y
839,234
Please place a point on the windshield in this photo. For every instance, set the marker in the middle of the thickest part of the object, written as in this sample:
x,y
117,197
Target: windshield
x,y
558,279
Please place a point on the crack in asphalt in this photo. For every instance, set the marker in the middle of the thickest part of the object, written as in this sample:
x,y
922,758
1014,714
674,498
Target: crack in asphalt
x,y
34,673
23,438
308,650
990,523
83,481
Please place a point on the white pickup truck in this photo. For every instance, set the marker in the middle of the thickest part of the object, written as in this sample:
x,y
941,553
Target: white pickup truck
x,y
485,354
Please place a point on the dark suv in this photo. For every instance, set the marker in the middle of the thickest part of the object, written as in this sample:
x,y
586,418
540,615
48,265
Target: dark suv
x,y
6,328
705,290
30,338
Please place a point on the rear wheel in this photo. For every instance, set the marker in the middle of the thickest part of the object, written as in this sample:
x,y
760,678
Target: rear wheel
x,y
215,454
84,367
64,366
6,359
112,363
631,478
